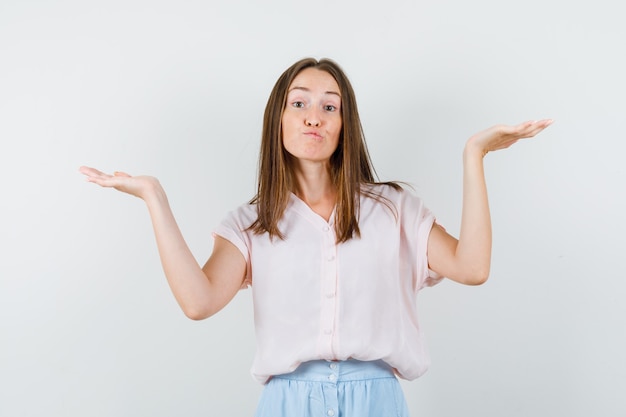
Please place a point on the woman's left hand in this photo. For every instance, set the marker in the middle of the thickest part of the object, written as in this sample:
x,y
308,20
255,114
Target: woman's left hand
x,y
502,136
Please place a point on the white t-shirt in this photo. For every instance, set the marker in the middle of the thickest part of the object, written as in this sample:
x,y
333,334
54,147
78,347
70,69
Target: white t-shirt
x,y
315,299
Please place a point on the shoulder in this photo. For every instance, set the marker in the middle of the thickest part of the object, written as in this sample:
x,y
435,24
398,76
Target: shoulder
x,y
389,191
401,198
243,215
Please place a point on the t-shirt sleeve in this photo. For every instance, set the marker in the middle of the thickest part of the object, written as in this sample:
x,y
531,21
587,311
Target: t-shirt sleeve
x,y
234,229
417,222
432,277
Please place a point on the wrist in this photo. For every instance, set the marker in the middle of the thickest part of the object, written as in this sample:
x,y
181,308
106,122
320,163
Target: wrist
x,y
473,150
153,192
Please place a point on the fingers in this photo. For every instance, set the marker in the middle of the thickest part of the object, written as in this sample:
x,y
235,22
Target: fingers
x,y
503,136
524,130
89,171
532,128
92,174
101,178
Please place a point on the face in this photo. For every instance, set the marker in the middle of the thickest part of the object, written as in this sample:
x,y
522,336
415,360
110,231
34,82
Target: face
x,y
311,121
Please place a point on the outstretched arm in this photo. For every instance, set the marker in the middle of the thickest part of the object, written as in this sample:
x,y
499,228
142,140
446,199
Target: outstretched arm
x,y
468,259
201,292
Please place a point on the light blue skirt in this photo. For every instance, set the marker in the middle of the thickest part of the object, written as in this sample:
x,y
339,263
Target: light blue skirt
x,y
334,389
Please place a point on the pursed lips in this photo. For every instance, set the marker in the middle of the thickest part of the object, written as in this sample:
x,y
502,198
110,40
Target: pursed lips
x,y
313,135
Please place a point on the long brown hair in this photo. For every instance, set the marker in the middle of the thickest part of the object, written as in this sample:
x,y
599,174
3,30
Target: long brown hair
x,y
350,164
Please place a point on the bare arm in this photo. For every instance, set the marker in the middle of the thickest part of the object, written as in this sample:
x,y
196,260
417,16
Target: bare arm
x,y
200,292
468,259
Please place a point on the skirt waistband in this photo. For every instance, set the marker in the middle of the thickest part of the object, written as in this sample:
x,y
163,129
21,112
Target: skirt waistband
x,y
339,371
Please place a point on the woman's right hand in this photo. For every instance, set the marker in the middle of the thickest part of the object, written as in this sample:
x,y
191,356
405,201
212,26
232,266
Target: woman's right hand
x,y
201,292
140,186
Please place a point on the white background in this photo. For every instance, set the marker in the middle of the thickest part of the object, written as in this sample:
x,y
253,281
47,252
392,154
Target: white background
x,y
176,89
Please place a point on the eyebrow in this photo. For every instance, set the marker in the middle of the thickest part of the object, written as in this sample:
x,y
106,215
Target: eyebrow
x,y
308,90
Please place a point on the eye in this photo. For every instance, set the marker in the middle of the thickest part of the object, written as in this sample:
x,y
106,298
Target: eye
x,y
330,107
298,104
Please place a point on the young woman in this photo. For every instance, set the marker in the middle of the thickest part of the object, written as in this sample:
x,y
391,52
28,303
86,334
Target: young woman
x,y
334,258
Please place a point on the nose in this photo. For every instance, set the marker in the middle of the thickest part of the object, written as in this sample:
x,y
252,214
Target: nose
x,y
312,118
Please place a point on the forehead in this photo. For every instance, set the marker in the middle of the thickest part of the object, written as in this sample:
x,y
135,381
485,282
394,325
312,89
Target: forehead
x,y
314,79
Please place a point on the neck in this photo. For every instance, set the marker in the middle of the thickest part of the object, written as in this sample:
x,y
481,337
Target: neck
x,y
315,188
